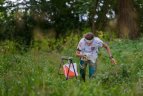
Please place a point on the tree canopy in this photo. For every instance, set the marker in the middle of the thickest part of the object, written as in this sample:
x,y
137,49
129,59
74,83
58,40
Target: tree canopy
x,y
20,17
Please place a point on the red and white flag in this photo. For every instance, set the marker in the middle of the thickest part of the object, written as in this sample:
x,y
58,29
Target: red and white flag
x,y
72,70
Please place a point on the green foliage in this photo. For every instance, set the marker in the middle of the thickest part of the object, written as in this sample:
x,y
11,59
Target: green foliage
x,y
107,35
36,72
17,23
7,47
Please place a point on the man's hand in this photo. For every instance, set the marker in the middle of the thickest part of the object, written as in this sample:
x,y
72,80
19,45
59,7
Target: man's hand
x,y
85,58
113,61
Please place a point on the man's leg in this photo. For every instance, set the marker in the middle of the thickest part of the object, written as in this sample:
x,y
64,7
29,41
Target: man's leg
x,y
92,69
83,69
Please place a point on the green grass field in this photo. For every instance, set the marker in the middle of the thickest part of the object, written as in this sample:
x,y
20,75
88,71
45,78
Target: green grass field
x,y
35,73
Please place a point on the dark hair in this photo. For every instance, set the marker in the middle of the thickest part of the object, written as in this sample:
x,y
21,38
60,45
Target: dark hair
x,y
89,36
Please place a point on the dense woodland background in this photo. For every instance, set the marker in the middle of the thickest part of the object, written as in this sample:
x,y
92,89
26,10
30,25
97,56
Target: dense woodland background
x,y
34,34
22,21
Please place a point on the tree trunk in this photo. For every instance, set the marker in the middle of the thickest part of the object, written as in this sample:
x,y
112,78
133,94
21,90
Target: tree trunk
x,y
127,20
92,15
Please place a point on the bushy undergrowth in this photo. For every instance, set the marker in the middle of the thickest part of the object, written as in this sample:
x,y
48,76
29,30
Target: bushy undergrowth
x,y
35,73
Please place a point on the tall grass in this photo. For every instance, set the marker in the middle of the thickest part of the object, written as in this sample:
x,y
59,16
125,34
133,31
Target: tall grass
x,y
35,73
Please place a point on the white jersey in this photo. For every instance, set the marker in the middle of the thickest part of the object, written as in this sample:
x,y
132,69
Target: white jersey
x,y
90,50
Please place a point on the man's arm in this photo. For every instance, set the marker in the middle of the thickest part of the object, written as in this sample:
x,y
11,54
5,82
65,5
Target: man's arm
x,y
78,54
109,53
83,56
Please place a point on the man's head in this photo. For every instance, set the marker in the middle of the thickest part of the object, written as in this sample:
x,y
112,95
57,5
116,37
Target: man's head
x,y
89,37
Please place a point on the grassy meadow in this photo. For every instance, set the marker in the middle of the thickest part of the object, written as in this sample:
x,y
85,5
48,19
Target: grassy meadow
x,y
35,73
